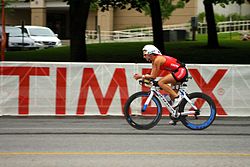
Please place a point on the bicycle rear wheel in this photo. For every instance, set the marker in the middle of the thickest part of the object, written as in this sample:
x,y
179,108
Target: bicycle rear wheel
x,y
140,117
205,114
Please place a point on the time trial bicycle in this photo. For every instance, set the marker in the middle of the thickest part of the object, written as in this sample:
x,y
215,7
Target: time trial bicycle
x,y
143,110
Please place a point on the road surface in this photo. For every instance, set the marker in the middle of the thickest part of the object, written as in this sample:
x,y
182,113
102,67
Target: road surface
x,y
110,141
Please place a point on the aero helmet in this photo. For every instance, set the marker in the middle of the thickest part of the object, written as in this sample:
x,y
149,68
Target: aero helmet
x,y
151,49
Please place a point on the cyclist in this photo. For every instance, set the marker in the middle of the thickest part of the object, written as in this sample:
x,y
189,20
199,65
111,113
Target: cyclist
x,y
177,71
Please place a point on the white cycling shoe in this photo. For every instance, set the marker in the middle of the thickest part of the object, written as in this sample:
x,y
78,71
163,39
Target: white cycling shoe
x,y
176,101
172,122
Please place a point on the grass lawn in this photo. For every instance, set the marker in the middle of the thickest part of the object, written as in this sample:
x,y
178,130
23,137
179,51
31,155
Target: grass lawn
x,y
232,51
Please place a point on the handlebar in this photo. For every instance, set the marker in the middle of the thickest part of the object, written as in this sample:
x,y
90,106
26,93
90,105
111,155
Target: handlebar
x,y
148,83
152,82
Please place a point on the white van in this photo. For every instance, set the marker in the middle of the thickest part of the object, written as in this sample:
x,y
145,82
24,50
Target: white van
x,y
42,36
17,40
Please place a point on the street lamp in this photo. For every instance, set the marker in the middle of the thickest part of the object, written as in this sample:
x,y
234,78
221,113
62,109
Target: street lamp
x,y
3,42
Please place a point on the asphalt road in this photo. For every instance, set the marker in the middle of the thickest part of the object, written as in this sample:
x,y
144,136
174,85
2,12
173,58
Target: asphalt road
x,y
111,142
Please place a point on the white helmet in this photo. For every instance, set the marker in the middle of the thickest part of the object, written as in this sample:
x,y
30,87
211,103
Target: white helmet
x,y
151,49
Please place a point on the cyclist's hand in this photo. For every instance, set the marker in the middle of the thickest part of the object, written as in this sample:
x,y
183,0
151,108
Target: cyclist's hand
x,y
137,76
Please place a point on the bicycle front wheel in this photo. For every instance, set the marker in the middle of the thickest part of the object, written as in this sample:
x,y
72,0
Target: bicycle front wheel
x,y
140,116
205,114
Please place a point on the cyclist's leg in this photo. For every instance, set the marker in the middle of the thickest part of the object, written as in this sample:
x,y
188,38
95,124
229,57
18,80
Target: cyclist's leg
x,y
163,83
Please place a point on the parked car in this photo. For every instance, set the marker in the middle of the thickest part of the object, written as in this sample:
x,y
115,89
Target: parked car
x,y
43,36
17,40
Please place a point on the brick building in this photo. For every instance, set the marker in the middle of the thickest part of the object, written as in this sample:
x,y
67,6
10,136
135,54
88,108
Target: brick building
x,y
55,14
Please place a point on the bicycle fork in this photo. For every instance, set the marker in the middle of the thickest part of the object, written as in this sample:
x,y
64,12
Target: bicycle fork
x,y
148,101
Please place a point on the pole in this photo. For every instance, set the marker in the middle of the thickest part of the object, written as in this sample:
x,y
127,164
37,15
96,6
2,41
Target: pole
x,y
231,27
194,26
3,42
22,34
99,33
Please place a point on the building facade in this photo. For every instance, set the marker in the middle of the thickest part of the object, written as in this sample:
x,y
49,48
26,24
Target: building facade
x,y
55,14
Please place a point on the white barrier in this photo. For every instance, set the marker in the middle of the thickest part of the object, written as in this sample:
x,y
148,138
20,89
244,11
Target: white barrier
x,y
102,89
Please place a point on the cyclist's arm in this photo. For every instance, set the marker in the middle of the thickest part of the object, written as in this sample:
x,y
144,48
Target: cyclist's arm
x,y
155,70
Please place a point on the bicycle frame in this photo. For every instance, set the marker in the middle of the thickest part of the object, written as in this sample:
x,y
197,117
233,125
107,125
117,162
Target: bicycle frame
x,y
154,90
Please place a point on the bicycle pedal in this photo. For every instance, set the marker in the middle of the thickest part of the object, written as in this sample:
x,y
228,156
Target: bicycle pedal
x,y
195,116
173,123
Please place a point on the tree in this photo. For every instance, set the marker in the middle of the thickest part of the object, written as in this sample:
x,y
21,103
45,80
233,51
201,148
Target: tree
x,y
78,11
167,7
3,34
139,5
157,24
159,11
7,3
211,25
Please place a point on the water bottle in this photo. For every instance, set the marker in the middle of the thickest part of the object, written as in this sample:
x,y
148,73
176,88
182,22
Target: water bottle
x,y
167,97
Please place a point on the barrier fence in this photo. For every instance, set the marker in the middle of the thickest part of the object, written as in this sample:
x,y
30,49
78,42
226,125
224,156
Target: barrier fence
x,y
81,89
227,26
146,33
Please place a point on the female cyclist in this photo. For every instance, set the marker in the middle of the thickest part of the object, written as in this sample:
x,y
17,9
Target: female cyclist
x,y
178,71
